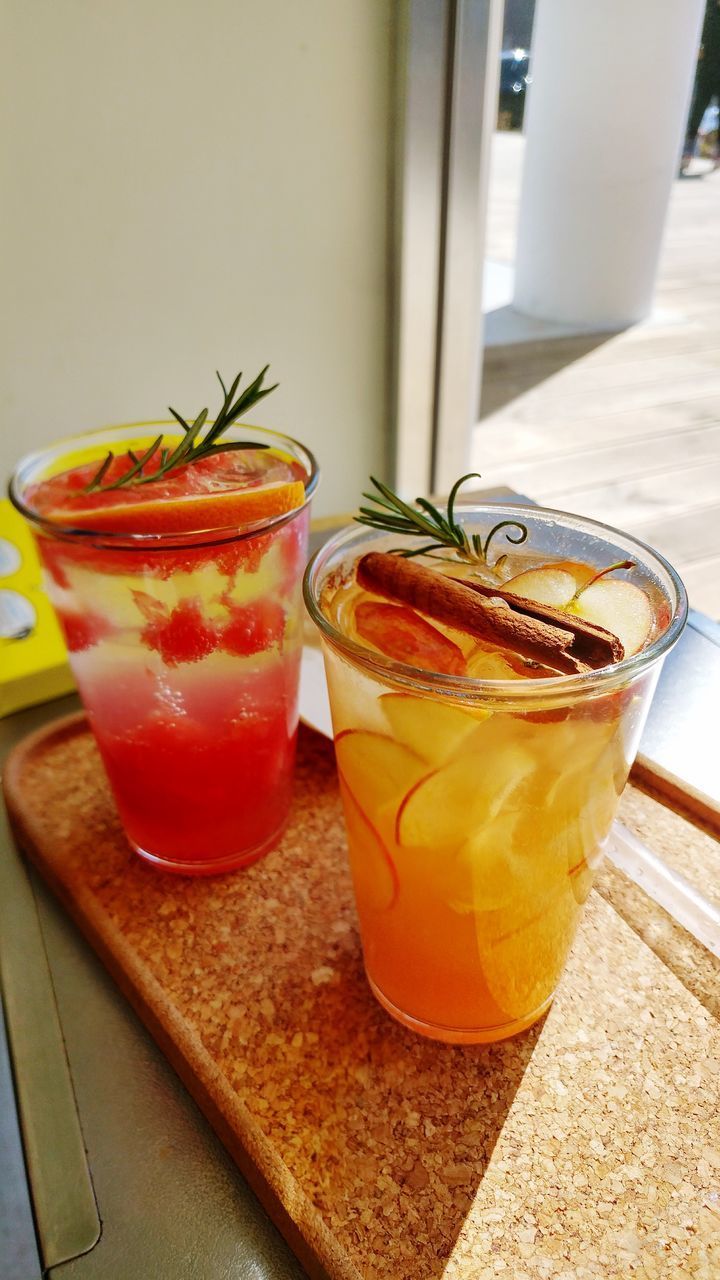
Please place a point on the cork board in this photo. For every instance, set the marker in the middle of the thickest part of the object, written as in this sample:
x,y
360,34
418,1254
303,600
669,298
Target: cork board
x,y
588,1147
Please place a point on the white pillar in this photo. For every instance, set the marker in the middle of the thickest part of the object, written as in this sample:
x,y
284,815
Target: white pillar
x,y
606,112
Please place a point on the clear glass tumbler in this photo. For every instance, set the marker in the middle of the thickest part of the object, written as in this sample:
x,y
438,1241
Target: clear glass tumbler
x,y
477,809
186,651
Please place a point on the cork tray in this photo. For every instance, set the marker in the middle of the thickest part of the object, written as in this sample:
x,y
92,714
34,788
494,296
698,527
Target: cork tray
x,y
588,1147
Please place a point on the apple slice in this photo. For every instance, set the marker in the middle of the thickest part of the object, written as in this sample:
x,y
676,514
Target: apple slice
x,y
599,811
374,873
400,633
522,954
444,808
574,748
582,877
581,572
495,869
486,664
582,866
568,853
583,821
354,696
620,607
545,585
435,730
376,769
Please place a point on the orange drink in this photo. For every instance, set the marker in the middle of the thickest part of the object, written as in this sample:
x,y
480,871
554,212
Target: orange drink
x,y
179,599
479,783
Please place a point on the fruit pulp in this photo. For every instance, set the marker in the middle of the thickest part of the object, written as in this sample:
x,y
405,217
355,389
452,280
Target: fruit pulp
x,y
187,661
474,825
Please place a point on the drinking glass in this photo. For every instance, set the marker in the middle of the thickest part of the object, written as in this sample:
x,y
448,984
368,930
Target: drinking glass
x,y
186,652
477,809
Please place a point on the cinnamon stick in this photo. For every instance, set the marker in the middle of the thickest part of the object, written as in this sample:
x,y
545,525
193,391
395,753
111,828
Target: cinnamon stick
x,y
593,644
495,619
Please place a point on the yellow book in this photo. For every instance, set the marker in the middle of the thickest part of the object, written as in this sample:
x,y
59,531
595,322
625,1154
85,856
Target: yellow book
x,y
33,658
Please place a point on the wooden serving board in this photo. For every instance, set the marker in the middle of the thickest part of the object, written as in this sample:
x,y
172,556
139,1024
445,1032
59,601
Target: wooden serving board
x,y
589,1146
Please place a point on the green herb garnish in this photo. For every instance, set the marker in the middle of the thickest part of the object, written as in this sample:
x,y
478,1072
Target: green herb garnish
x,y
391,515
192,446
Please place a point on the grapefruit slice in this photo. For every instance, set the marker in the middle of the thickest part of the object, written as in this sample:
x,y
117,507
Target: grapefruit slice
x,y
229,509
225,490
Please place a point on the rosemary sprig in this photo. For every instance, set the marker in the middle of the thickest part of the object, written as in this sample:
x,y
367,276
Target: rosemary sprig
x,y
192,446
391,514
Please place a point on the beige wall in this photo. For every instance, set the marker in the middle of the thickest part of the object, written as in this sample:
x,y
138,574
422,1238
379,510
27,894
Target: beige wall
x,y
192,185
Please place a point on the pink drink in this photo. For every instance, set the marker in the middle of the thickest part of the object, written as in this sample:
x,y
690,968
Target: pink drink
x,y
185,644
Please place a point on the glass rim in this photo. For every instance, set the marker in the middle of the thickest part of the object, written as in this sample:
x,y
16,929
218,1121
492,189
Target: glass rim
x,y
125,541
546,689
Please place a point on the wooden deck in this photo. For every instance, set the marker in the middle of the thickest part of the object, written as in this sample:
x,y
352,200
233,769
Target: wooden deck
x,y
624,427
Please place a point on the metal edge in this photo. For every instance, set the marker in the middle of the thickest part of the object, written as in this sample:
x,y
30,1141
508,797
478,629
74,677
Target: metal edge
x,y
18,1239
66,1214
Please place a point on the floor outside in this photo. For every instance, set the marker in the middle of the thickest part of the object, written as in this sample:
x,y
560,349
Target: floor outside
x,y
624,427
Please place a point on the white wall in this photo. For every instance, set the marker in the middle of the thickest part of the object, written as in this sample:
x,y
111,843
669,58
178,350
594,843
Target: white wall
x,y
191,185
